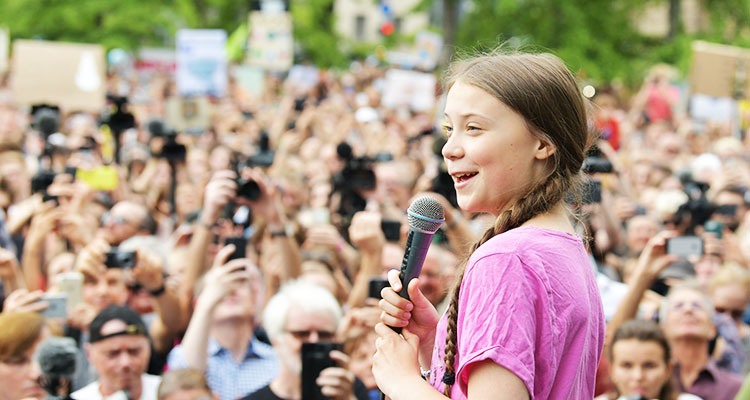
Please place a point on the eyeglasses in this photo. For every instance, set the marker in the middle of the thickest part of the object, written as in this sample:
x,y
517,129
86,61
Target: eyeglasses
x,y
735,314
692,305
107,218
305,335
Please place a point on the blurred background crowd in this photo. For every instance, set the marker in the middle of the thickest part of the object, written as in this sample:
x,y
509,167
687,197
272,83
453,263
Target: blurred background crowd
x,y
204,230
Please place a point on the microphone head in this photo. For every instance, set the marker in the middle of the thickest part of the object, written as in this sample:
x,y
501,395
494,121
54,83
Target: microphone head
x,y
57,357
425,214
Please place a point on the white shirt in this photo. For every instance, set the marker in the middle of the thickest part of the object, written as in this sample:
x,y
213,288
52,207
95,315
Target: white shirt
x,y
149,386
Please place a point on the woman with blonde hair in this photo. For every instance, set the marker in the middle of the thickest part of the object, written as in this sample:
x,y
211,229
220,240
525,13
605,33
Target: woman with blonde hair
x,y
20,334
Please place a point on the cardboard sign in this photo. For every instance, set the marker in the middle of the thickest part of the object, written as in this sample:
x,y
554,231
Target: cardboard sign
x,y
251,79
191,115
4,47
201,62
720,71
271,45
412,89
69,75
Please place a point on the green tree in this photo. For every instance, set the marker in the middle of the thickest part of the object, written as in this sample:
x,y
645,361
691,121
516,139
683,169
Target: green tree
x,y
314,31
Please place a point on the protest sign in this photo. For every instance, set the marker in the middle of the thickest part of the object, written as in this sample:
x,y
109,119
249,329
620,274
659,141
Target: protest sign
x,y
271,45
250,79
201,62
720,70
189,114
69,75
428,45
412,89
155,59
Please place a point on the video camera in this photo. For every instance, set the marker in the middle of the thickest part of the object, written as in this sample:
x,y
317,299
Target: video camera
x,y
171,150
357,172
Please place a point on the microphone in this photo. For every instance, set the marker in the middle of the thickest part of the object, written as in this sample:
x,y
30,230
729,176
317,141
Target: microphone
x,y
425,216
57,360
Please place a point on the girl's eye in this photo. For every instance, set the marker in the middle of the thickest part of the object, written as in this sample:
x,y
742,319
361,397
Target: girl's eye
x,y
473,128
447,129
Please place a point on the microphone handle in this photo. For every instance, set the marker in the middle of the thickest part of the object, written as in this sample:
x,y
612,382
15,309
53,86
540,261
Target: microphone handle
x,y
417,244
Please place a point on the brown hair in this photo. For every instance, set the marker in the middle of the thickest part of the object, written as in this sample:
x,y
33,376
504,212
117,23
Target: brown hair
x,y
543,91
645,331
20,330
181,379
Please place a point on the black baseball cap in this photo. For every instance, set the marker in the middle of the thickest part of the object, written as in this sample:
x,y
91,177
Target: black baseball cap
x,y
134,323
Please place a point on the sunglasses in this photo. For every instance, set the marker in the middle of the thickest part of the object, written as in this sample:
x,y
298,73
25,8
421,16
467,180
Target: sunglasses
x,y
735,314
305,334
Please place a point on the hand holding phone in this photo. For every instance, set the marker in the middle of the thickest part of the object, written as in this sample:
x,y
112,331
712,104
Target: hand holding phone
x,y
316,357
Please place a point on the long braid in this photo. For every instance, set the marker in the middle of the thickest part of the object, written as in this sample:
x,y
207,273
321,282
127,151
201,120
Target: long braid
x,y
538,201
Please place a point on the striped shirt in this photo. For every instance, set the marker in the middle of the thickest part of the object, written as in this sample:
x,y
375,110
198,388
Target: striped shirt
x,y
228,378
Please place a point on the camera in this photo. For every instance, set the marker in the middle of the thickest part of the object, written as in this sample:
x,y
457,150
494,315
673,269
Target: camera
x,y
42,180
120,259
357,172
171,150
597,165
264,156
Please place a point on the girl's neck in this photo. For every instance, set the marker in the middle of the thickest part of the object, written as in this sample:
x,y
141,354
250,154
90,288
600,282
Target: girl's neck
x,y
556,219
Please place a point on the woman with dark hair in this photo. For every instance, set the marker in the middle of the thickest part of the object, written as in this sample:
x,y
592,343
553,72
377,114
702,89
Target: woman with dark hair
x,y
525,319
20,334
641,364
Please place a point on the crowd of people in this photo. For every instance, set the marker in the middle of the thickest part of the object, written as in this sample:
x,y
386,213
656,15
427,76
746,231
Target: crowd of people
x,y
204,264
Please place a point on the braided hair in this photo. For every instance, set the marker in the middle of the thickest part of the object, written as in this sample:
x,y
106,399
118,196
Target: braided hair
x,y
544,92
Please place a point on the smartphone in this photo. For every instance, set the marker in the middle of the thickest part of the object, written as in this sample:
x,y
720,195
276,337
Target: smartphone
x,y
391,230
320,216
57,306
376,286
315,358
717,228
729,210
685,246
239,243
71,284
592,192
100,178
120,259
49,197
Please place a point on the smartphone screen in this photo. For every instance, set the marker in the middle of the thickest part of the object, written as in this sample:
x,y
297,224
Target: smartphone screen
x,y
684,246
239,243
71,284
376,286
391,230
315,358
57,306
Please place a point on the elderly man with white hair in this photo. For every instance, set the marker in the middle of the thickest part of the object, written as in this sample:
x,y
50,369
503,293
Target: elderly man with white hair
x,y
302,312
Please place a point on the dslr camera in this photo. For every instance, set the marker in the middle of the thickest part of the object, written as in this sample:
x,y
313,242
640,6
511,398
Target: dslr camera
x,y
120,259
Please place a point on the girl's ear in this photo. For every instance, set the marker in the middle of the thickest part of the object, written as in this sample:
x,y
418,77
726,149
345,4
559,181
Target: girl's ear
x,y
544,150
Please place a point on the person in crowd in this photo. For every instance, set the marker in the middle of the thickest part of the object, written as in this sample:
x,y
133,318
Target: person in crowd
x,y
20,335
184,384
299,313
729,289
528,285
220,338
687,318
125,220
641,363
119,351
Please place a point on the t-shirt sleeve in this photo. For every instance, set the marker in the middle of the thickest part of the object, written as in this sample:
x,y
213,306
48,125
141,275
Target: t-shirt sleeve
x,y
497,318
175,359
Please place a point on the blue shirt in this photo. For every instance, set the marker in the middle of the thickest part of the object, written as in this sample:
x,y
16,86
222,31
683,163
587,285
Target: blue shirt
x,y
228,378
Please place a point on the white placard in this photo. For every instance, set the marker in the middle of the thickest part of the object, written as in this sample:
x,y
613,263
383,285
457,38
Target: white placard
x,y
4,47
412,89
201,62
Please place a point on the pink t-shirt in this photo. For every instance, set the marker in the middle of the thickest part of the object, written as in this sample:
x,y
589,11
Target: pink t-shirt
x,y
530,303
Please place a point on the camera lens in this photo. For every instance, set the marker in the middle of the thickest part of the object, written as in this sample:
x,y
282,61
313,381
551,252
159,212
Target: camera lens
x,y
248,189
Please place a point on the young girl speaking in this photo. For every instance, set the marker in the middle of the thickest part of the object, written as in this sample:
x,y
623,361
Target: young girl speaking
x,y
525,320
